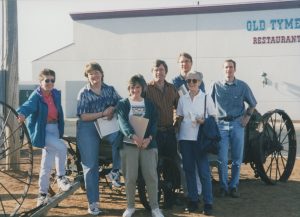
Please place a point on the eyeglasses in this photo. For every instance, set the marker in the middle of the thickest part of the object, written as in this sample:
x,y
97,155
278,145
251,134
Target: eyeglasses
x,y
50,80
192,80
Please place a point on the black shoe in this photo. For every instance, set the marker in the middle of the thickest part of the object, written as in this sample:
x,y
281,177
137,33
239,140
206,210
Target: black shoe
x,y
234,193
178,201
192,206
168,204
207,209
223,193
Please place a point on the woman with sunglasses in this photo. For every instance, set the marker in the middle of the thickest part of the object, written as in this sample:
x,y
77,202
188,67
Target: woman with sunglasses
x,y
190,110
46,126
185,61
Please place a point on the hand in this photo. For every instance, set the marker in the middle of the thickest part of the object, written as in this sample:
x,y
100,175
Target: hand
x,y
138,141
21,118
245,119
177,123
145,143
200,120
109,112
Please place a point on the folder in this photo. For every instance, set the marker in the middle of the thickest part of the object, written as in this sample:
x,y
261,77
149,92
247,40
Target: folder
x,y
139,125
106,127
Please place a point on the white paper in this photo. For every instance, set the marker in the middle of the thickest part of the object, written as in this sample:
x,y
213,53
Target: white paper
x,y
182,90
106,127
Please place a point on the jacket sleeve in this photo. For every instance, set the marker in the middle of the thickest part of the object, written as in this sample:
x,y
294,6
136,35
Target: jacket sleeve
x,y
123,119
152,130
29,106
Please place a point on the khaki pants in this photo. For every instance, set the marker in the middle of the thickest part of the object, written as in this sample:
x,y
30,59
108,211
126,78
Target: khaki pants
x,y
131,159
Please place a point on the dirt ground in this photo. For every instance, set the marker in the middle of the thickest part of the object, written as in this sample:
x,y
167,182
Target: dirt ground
x,y
257,200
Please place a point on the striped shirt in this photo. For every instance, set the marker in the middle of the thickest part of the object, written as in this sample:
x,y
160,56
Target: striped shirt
x,y
90,102
165,102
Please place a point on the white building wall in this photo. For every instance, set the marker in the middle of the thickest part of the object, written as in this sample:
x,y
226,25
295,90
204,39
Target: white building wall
x,y
126,46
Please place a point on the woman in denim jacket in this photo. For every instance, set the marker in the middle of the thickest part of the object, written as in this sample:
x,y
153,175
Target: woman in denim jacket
x,y
46,126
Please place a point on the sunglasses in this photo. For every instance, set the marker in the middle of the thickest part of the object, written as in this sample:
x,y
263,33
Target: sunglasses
x,y
50,80
192,80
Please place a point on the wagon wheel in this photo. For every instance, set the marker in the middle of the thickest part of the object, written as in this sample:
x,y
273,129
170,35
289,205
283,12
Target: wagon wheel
x,y
276,147
168,181
16,161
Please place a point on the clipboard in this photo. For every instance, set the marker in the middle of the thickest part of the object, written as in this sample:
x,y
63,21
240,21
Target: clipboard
x,y
106,127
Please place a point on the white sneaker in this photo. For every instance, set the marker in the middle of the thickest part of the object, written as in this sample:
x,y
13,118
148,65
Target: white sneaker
x,y
63,183
156,213
42,199
114,177
94,209
128,212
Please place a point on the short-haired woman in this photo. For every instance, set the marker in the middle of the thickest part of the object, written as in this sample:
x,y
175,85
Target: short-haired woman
x,y
191,110
95,100
46,126
138,152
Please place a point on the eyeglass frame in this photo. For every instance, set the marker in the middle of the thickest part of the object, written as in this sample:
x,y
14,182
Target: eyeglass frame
x,y
194,81
49,80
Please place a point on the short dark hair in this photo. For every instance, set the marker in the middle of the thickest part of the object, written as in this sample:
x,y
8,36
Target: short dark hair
x,y
159,62
231,61
46,72
138,80
93,66
186,55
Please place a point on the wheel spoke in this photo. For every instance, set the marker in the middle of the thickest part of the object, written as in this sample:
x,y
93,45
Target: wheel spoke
x,y
16,162
275,150
278,173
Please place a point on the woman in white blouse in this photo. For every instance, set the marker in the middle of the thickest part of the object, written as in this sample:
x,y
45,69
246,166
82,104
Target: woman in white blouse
x,y
191,111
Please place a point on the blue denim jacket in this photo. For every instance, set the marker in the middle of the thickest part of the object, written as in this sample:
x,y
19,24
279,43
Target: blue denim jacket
x,y
37,112
229,99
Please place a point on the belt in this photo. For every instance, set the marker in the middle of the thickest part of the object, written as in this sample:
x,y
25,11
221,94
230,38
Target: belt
x,y
229,118
52,122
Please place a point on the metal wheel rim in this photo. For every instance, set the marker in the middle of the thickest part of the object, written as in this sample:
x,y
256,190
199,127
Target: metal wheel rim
x,y
15,177
277,151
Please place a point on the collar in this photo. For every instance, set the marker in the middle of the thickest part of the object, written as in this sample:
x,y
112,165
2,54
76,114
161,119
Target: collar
x,y
40,92
198,95
46,95
88,86
152,83
234,82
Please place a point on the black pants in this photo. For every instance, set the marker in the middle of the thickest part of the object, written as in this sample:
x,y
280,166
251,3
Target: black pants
x,y
167,148
167,143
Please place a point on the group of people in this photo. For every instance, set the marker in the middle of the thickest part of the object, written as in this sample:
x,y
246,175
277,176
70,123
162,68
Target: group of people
x,y
174,112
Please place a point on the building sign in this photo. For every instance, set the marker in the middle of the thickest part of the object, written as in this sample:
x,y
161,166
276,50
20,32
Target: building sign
x,y
274,25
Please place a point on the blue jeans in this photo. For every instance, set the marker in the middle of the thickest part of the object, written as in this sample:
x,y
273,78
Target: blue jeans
x,y
232,133
88,141
190,159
